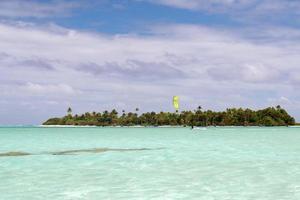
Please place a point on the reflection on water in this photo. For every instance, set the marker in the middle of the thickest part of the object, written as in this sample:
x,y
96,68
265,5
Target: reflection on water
x,y
75,152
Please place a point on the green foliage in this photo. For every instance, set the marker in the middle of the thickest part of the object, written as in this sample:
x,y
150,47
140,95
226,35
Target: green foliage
x,y
231,117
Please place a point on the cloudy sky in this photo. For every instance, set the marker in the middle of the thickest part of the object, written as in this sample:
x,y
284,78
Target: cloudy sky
x,y
103,54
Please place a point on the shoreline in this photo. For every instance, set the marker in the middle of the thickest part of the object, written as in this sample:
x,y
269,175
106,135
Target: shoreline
x,y
88,126
166,126
138,126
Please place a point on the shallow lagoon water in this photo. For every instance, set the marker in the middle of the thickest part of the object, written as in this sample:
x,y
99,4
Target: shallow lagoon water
x,y
230,163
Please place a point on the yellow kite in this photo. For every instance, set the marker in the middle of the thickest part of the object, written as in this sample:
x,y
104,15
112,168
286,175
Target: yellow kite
x,y
176,102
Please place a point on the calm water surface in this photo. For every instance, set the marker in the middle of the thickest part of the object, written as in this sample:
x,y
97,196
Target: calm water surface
x,y
150,163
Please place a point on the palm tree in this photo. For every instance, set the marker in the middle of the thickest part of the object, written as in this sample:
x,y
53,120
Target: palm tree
x,y
278,107
69,111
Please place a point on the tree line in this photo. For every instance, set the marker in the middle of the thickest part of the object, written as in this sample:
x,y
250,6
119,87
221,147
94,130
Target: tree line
x,y
271,116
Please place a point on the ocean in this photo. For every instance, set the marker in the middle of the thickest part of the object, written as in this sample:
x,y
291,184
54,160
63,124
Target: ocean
x,y
217,163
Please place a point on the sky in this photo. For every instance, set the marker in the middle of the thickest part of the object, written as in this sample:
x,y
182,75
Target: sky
x,y
96,55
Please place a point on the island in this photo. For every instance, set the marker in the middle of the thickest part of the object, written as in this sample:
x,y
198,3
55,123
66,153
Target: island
x,y
271,116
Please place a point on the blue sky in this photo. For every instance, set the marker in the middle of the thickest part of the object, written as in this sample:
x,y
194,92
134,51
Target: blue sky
x,y
97,55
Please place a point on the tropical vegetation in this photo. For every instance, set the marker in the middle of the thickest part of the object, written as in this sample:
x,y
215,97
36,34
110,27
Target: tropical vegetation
x,y
271,116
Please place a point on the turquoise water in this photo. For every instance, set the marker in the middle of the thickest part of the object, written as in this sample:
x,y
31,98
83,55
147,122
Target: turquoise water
x,y
178,163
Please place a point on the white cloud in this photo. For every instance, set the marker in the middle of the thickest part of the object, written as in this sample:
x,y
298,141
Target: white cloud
x,y
33,8
39,89
205,4
254,11
213,67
